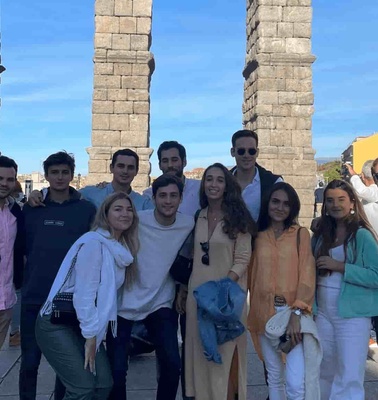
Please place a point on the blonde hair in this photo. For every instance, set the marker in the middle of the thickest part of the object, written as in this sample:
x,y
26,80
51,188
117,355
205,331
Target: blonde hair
x,y
128,238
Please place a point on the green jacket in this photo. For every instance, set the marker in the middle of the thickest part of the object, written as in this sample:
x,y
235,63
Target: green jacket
x,y
359,290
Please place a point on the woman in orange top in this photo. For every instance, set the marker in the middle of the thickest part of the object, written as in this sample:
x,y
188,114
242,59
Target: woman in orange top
x,y
282,275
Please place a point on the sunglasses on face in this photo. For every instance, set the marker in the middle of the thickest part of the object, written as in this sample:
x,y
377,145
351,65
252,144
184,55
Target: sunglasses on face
x,y
205,248
241,151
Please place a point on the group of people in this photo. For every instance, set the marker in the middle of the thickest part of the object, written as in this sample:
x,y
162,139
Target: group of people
x,y
95,262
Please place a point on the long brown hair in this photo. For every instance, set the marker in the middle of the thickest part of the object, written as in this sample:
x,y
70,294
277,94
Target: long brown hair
x,y
128,238
237,218
353,221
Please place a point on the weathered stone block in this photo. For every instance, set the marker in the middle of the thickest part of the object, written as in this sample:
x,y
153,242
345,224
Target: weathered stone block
x,y
299,3
134,138
123,8
117,94
265,110
302,138
304,123
304,167
271,45
121,41
101,137
139,122
264,97
280,138
285,29
302,30
287,98
297,14
138,94
269,84
104,7
269,13
302,73
107,82
119,122
302,110
266,29
266,71
128,25
135,82
102,107
103,40
144,25
106,24
141,69
100,55
100,121
123,107
282,110
122,56
104,69
95,166
298,45
264,137
142,8
141,107
100,94
122,69
265,122
299,85
99,153
286,123
140,42
305,98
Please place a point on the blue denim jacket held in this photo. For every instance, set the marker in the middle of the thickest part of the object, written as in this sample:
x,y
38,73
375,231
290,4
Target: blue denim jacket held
x,y
219,308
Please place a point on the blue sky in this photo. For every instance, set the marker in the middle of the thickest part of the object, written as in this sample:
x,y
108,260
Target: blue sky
x,y
197,87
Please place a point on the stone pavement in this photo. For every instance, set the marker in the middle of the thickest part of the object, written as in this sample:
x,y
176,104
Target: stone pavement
x,y
142,377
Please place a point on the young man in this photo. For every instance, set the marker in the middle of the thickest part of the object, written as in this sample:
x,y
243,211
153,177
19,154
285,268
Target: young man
x,y
254,180
12,244
50,232
124,167
162,232
172,160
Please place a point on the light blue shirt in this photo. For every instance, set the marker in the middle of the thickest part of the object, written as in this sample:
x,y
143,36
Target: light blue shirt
x,y
97,195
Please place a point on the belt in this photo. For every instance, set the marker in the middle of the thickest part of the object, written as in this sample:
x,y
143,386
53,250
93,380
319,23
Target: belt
x,y
279,301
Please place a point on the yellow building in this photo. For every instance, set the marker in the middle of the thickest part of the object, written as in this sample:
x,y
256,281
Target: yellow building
x,y
363,148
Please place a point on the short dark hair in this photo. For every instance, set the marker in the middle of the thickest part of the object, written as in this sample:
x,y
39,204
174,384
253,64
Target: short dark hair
x,y
62,157
6,162
165,180
244,133
294,203
172,144
125,152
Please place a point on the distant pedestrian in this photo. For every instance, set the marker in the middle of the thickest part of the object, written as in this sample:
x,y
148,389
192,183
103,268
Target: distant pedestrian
x,y
346,253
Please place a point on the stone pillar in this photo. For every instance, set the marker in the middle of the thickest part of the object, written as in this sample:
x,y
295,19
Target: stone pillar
x,y
123,66
278,98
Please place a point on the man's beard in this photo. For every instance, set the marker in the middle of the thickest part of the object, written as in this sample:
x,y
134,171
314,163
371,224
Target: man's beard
x,y
178,173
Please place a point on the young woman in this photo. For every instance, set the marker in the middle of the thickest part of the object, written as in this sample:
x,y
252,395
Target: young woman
x,y
282,275
346,252
222,248
97,260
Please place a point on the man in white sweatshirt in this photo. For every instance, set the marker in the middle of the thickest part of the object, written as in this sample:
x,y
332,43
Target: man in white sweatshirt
x,y
150,297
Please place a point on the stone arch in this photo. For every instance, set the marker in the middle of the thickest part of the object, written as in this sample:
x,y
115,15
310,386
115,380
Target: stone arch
x,y
278,99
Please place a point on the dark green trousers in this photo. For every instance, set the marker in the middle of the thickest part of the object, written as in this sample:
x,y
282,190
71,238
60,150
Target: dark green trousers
x,y
63,347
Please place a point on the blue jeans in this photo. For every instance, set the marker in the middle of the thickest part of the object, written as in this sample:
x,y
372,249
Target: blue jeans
x,y
162,327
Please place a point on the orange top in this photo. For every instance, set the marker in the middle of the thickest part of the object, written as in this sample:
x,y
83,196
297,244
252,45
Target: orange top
x,y
277,270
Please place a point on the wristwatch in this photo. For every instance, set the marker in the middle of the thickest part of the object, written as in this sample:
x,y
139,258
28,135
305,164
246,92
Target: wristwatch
x,y
297,311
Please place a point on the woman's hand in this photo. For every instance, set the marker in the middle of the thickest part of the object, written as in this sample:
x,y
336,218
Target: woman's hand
x,y
90,355
181,299
233,276
294,329
325,262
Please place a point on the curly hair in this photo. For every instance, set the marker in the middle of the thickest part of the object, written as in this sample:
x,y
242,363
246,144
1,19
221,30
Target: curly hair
x,y
237,218
327,224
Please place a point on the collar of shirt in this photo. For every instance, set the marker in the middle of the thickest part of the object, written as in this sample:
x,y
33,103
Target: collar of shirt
x,y
256,178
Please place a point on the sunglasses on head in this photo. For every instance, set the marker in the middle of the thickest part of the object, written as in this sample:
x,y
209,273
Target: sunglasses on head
x,y
241,151
205,248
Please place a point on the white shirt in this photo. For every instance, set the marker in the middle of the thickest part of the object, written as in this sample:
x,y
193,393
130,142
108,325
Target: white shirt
x,y
252,195
190,197
335,279
369,197
159,245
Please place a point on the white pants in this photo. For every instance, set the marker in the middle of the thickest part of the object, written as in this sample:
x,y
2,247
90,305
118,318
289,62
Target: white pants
x,y
345,344
294,370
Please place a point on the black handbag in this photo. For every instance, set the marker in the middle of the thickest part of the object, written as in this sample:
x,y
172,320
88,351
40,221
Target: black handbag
x,y
63,310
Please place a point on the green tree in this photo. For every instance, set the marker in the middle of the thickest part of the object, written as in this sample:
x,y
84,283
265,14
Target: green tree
x,y
331,170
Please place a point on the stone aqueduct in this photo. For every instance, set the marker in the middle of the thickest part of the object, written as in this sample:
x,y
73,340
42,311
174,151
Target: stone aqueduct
x,y
278,97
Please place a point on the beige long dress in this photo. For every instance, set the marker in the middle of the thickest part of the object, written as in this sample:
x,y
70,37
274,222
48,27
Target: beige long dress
x,y
206,380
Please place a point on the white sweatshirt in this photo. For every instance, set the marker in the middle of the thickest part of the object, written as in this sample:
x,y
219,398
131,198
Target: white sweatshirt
x,y
159,245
